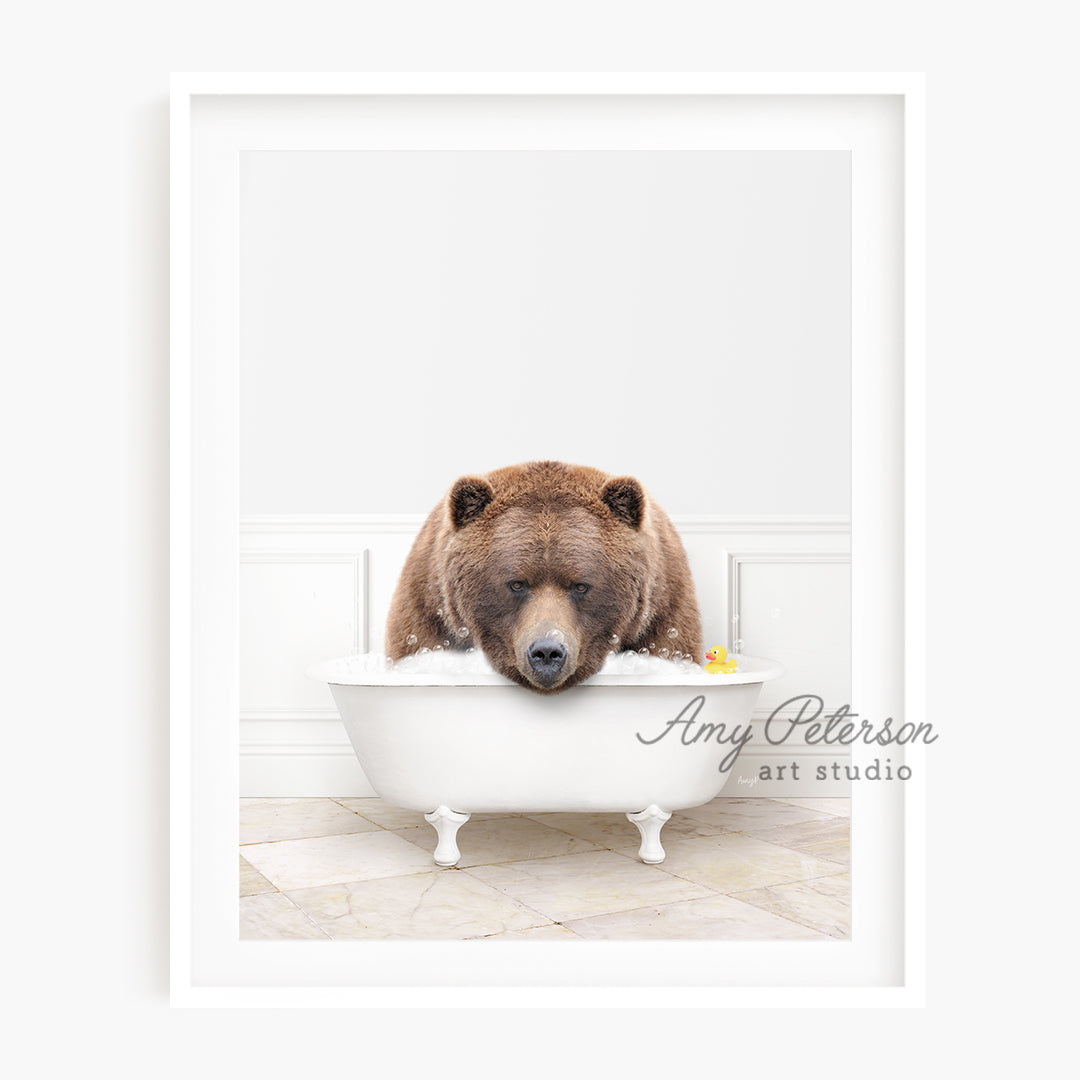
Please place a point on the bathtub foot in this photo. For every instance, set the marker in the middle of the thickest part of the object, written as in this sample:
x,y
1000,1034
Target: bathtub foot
x,y
649,822
446,822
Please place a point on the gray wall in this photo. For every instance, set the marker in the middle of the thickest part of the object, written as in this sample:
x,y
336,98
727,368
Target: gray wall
x,y
411,315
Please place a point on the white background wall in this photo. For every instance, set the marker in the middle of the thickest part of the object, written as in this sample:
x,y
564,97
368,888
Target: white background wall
x,y
84,427
408,316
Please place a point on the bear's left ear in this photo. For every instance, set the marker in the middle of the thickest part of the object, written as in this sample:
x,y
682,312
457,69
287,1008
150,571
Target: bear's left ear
x,y
468,497
625,498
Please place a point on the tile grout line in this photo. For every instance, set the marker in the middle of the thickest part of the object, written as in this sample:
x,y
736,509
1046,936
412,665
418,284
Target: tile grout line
x,y
726,896
615,911
739,897
436,873
528,907
289,900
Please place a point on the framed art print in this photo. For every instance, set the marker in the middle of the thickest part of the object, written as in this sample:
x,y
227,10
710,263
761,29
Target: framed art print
x,y
703,294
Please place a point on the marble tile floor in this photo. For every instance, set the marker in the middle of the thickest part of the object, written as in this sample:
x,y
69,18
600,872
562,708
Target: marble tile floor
x,y
736,869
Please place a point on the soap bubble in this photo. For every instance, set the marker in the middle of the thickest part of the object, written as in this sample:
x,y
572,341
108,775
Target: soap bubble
x,y
438,611
673,633
438,648
411,639
614,639
557,635
463,632
643,651
446,644
664,654
424,652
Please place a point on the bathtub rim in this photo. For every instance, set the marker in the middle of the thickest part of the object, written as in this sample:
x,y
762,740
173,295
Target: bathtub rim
x,y
752,669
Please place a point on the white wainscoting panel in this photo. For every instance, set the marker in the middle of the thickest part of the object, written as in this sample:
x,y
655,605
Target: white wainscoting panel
x,y
312,588
296,608
795,606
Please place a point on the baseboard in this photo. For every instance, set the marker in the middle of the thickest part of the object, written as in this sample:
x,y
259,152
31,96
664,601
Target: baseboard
x,y
302,773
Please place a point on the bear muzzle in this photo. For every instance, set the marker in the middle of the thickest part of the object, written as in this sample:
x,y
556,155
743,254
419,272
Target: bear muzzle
x,y
546,656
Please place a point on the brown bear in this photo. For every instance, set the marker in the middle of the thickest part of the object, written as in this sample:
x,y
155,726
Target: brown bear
x,y
547,568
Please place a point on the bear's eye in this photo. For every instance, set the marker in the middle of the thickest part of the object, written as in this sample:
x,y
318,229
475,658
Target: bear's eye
x,y
581,588
518,586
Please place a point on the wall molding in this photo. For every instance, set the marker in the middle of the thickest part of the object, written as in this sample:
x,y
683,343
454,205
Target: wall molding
x,y
357,562
738,559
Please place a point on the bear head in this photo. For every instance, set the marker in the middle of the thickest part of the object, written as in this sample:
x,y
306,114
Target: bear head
x,y
550,567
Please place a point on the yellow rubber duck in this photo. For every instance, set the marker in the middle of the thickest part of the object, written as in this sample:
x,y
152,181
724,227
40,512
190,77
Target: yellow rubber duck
x,y
718,663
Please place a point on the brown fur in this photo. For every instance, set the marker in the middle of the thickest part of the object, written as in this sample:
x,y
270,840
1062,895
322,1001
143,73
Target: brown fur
x,y
550,526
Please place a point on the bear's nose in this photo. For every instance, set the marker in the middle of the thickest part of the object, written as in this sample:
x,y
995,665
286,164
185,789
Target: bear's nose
x,y
546,657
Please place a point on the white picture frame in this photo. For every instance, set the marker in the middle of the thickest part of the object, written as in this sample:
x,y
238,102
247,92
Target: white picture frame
x,y
882,964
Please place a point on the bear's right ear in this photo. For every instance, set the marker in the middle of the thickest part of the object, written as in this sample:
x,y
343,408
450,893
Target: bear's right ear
x,y
624,497
468,497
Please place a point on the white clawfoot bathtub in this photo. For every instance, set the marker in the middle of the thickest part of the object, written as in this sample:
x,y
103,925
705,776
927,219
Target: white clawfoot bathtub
x,y
454,745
